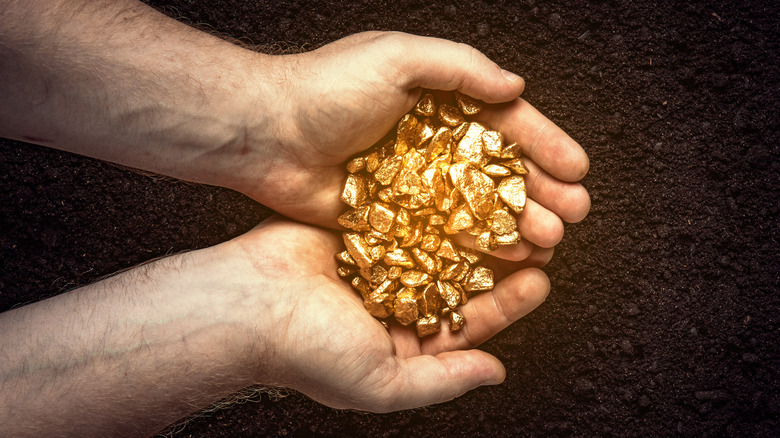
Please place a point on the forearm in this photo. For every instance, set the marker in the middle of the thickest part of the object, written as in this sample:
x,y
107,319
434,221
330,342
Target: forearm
x,y
119,81
128,355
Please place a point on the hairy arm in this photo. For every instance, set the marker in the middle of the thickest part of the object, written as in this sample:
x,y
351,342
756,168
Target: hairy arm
x,y
117,80
133,353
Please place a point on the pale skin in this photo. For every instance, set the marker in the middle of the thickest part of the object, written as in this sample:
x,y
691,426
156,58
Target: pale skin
x,y
118,81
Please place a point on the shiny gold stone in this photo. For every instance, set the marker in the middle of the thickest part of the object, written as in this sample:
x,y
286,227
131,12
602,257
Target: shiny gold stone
x,y
406,193
503,222
379,305
355,219
414,278
355,190
430,242
358,249
436,220
459,131
516,165
428,325
471,256
407,183
429,300
492,143
507,239
456,320
511,150
346,271
373,160
429,179
444,198
426,107
440,144
424,212
391,246
386,195
387,286
479,228
377,252
414,237
381,217
388,169
496,170
401,230
406,134
459,220
356,165
399,257
454,272
405,306
380,236
480,279
449,115
375,275
425,131
413,161
344,257
464,297
512,191
486,242
449,294
373,187
468,105
447,251
476,187
424,260
362,286
403,217
469,147
394,273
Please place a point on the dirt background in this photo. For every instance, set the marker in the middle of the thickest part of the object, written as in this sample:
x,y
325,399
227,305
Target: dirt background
x,y
663,316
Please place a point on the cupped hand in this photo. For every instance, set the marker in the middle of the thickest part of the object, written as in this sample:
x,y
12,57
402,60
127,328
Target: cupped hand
x,y
320,340
342,98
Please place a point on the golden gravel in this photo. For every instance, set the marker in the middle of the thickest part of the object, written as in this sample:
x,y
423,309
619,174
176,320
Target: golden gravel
x,y
439,176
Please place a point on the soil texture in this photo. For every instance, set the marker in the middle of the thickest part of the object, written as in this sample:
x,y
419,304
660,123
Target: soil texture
x,y
663,318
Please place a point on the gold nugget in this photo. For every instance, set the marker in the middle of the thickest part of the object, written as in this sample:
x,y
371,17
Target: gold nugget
x,y
441,174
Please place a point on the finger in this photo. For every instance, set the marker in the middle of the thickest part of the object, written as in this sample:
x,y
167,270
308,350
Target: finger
x,y
539,138
511,252
538,258
568,200
488,313
537,226
426,380
439,64
405,340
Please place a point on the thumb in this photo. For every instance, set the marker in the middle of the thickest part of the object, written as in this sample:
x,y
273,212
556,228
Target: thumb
x,y
426,380
439,64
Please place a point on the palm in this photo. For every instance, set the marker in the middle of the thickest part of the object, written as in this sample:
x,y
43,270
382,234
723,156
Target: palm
x,y
348,94
323,332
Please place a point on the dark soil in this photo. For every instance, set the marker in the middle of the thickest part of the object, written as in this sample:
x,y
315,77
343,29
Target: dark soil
x,y
665,305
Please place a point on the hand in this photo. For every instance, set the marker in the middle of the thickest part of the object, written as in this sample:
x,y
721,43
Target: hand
x,y
327,346
342,98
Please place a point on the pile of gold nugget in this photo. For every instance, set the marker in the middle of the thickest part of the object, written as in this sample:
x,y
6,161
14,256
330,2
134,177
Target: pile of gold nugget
x,y
439,176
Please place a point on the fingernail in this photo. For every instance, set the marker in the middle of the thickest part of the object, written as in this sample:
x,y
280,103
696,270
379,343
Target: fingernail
x,y
511,77
491,382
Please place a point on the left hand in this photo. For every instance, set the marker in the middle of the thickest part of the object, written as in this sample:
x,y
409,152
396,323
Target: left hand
x,y
322,342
